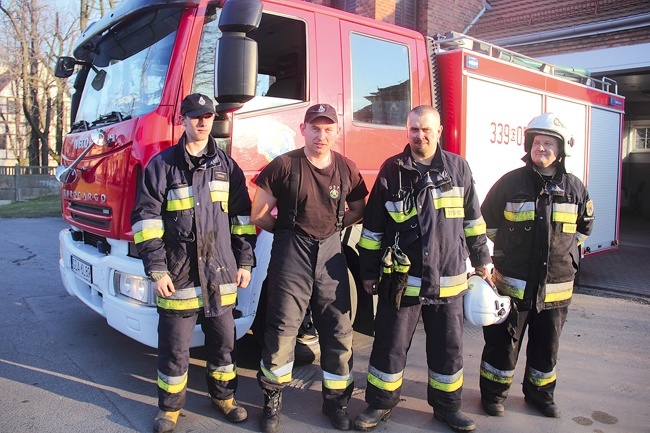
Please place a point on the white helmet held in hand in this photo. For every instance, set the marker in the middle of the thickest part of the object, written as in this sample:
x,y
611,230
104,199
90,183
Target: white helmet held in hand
x,y
483,305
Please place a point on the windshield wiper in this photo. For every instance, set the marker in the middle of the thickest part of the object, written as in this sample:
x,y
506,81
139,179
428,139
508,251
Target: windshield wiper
x,y
81,125
112,117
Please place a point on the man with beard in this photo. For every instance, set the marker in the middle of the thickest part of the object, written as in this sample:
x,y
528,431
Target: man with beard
x,y
421,220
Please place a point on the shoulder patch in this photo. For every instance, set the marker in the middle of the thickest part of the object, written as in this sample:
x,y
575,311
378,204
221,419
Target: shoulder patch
x,y
590,208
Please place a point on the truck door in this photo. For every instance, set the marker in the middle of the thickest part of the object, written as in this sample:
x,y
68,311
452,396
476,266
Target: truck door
x,y
574,117
380,86
267,125
603,177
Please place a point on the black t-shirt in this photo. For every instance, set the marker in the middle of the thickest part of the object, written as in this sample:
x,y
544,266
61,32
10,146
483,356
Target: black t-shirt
x,y
318,193
422,168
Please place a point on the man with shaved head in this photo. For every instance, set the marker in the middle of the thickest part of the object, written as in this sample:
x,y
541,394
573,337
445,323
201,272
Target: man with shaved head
x,y
421,220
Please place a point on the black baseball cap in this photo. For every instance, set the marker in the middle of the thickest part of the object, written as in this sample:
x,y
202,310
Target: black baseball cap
x,y
321,110
196,105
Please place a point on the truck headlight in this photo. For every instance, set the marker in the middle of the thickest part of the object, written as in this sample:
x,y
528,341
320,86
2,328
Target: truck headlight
x,y
133,287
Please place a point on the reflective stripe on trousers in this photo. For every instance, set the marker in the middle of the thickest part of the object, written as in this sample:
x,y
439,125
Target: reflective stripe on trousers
x,y
443,325
303,269
501,351
174,339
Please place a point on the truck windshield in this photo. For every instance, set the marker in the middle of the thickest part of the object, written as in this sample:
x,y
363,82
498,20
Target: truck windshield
x,y
130,67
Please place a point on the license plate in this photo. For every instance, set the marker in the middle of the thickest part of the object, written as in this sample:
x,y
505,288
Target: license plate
x,y
82,269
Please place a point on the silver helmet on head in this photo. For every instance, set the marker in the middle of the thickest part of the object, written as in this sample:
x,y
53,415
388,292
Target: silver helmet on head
x,y
548,124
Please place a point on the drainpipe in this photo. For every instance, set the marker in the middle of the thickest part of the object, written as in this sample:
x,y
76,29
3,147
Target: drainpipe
x,y
486,6
627,23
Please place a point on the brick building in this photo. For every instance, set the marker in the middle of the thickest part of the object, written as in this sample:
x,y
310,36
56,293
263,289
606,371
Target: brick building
x,y
608,38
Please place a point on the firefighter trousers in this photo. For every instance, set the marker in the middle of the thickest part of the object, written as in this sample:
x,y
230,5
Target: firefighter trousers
x,y
443,325
174,339
305,272
502,345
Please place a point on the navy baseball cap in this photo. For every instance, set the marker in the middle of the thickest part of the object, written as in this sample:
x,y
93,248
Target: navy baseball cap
x,y
321,110
196,105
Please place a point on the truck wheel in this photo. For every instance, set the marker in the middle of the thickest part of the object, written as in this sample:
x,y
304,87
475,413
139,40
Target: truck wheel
x,y
307,349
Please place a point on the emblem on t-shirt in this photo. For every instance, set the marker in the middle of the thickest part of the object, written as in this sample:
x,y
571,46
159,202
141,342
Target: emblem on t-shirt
x,y
335,191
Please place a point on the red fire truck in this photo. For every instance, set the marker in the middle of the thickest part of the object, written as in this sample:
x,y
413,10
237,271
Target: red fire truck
x,y
266,62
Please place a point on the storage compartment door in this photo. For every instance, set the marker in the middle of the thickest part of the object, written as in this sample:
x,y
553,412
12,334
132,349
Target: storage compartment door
x,y
603,178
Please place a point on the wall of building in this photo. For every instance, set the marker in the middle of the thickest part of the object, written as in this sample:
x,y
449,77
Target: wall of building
x,y
586,43
439,17
429,17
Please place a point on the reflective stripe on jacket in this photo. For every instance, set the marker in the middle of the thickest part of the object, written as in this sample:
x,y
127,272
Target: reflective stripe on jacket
x,y
194,222
537,227
436,219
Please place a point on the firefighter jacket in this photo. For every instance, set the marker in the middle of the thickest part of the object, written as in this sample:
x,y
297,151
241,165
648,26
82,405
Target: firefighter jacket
x,y
537,225
435,219
193,221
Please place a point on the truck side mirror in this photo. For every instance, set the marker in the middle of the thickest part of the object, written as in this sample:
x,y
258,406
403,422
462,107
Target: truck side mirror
x,y
64,67
240,16
221,126
236,58
236,70
98,81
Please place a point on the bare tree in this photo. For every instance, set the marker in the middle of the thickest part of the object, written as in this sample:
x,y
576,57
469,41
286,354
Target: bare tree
x,y
61,44
29,52
33,35
93,8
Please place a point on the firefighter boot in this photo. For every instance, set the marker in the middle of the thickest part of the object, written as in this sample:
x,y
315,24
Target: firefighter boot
x,y
370,418
457,420
270,422
547,409
231,409
493,408
165,422
338,416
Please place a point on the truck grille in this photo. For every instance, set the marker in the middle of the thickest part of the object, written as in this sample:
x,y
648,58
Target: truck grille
x,y
93,239
92,215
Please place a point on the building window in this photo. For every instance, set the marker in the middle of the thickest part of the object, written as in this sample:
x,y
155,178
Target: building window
x,y
642,138
3,141
380,99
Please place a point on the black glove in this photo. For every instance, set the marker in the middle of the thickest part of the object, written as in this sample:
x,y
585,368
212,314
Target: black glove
x,y
386,278
400,277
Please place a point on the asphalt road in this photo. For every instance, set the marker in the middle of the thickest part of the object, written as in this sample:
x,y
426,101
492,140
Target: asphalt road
x,y
63,369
